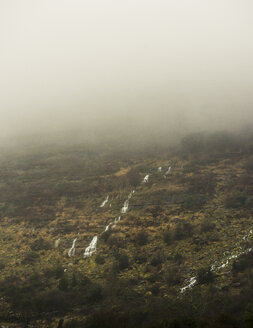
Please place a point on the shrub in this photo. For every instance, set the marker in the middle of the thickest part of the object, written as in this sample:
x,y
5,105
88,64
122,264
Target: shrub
x,y
205,275
173,277
94,293
40,244
99,259
167,237
178,258
63,284
243,262
156,259
55,271
235,200
123,261
183,230
30,257
141,238
49,301
206,225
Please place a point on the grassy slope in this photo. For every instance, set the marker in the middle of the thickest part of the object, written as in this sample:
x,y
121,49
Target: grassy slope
x,y
66,190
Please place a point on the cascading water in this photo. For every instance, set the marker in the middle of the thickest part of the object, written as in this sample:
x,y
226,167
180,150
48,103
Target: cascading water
x,y
91,248
57,243
145,180
105,201
72,250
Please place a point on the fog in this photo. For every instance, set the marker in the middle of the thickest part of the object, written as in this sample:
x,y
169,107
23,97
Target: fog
x,y
132,66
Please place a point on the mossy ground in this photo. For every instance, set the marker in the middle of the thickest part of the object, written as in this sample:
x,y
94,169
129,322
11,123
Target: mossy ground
x,y
51,196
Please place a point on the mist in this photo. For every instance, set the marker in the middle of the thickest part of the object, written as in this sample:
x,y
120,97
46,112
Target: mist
x,y
125,67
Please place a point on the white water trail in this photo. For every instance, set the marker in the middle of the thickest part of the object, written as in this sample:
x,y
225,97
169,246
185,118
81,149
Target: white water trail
x,y
107,227
218,265
105,201
116,220
145,180
125,207
168,171
57,243
72,250
91,248
191,282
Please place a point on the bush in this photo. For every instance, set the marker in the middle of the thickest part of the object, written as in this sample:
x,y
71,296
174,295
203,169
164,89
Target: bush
x,y
178,258
123,261
2,265
173,277
94,293
183,230
50,301
40,244
206,225
157,259
242,263
167,237
99,259
63,284
30,257
141,238
194,202
55,271
235,200
205,276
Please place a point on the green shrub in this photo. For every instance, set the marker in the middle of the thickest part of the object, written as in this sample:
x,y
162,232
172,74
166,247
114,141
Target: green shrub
x,y
204,276
94,293
40,244
235,200
141,238
167,237
178,258
207,225
183,230
63,284
55,271
157,259
99,259
123,261
30,257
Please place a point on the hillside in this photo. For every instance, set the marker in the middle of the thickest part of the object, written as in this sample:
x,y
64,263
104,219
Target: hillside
x,y
99,236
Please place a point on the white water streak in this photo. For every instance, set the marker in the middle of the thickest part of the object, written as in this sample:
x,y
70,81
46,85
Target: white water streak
x,y
57,243
91,248
191,282
145,180
105,201
72,250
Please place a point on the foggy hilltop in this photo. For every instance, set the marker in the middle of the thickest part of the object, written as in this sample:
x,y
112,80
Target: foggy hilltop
x,y
164,67
126,164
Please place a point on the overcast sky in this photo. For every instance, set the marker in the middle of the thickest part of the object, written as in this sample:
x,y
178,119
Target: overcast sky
x,y
69,64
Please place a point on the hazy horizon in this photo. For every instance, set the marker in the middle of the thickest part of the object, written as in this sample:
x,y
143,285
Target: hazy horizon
x,y
100,66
